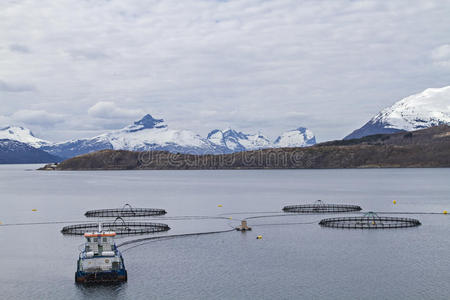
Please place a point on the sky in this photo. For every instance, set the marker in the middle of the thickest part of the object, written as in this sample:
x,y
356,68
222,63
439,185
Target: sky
x,y
76,68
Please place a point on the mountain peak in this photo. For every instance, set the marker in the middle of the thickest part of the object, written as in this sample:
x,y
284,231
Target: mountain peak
x,y
21,134
422,110
300,137
149,122
231,133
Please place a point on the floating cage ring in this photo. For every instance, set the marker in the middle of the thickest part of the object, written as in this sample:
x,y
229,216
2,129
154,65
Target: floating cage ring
x,y
369,220
126,211
118,228
320,207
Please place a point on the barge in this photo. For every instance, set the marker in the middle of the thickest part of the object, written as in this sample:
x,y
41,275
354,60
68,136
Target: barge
x,y
100,261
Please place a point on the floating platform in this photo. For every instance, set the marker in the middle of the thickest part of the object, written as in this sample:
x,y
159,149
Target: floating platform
x,y
118,227
244,226
321,207
370,220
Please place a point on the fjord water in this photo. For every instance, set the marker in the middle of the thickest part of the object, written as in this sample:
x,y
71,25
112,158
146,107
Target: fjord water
x,y
296,261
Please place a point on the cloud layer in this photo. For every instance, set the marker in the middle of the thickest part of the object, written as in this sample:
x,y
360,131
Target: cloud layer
x,y
109,110
203,64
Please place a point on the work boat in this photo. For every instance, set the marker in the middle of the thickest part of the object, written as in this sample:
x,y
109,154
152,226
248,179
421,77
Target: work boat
x,y
100,261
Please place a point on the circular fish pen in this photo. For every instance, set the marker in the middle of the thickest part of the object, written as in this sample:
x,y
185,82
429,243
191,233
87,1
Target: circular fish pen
x,y
369,220
321,207
118,226
126,211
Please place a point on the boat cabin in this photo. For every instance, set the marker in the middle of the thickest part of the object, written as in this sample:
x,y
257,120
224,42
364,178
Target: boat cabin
x,y
100,244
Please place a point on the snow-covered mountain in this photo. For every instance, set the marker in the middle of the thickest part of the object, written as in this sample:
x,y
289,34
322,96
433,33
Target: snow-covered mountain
x,y
300,137
23,135
153,134
426,109
234,141
146,134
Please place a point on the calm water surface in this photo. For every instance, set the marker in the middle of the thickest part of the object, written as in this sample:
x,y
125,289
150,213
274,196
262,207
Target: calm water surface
x,y
290,262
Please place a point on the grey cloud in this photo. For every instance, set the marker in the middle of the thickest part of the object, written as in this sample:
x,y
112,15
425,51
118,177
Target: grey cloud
x,y
37,117
441,55
109,110
19,48
89,54
15,87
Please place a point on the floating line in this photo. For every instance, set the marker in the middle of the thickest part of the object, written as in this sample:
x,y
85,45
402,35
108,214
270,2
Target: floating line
x,y
407,213
291,223
149,239
43,223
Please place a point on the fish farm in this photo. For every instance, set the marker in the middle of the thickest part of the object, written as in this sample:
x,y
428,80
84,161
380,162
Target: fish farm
x,y
121,228
369,220
126,211
321,207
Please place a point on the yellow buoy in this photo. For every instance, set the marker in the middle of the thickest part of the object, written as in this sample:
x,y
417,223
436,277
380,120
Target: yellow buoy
x,y
259,237
220,205
230,218
395,201
34,209
445,212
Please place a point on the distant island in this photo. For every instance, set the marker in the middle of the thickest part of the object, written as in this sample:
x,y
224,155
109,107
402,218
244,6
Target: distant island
x,y
422,148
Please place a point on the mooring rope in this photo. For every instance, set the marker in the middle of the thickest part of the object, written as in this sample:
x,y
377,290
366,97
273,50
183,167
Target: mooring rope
x,y
407,213
249,213
149,239
290,223
175,218
272,216
45,223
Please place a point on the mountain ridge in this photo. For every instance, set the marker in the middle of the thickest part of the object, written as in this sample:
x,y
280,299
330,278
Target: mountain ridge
x,y
15,152
150,133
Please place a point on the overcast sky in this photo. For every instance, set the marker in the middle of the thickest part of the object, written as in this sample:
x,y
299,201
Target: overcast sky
x,y
71,69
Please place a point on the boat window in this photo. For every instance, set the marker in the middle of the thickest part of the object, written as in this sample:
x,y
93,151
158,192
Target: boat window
x,y
95,240
105,240
88,239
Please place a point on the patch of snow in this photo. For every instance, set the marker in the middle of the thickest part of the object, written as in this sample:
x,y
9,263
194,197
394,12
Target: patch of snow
x,y
300,137
23,135
239,141
428,108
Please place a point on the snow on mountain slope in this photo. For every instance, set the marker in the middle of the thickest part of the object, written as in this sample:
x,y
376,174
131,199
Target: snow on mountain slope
x,y
145,134
153,134
149,133
238,141
234,141
23,135
300,137
428,108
